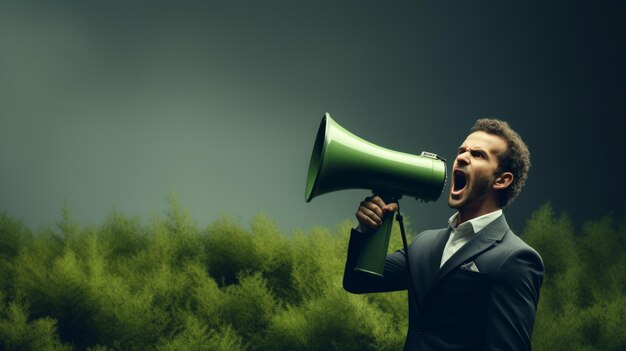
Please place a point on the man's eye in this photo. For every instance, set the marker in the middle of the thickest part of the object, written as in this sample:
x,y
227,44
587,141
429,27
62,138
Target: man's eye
x,y
477,154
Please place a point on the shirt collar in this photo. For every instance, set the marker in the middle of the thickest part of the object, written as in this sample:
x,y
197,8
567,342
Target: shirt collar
x,y
477,223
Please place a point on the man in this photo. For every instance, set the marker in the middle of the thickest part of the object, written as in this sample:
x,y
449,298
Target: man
x,y
475,283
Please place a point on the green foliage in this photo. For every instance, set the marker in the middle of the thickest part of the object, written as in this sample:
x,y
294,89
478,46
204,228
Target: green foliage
x,y
583,299
230,250
168,285
248,306
195,336
18,333
13,235
316,265
334,321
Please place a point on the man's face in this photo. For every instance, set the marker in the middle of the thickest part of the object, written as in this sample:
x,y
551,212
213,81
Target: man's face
x,y
474,168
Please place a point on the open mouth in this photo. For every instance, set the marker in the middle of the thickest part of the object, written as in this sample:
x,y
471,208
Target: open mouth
x,y
460,181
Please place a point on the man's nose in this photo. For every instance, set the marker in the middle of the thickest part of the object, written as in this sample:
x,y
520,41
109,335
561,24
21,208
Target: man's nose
x,y
462,159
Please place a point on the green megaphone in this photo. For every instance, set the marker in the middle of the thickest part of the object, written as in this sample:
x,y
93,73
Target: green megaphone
x,y
341,160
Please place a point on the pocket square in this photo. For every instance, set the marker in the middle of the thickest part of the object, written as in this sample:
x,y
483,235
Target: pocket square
x,y
470,266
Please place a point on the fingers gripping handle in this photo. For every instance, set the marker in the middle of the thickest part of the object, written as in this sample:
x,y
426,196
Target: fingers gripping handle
x,y
376,243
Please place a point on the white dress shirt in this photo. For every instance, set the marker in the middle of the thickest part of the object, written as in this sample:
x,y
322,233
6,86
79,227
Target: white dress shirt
x,y
463,233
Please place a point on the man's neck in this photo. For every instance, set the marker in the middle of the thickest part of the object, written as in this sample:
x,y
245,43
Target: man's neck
x,y
469,213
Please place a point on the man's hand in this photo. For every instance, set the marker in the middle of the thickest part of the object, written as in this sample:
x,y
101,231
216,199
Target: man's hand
x,y
371,211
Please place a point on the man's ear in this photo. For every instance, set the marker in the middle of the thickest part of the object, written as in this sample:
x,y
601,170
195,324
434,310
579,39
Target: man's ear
x,y
503,181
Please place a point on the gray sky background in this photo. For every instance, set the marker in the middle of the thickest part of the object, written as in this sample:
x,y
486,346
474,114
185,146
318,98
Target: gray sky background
x,y
116,104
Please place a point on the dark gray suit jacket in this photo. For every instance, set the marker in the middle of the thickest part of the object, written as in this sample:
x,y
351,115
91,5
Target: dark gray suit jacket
x,y
457,309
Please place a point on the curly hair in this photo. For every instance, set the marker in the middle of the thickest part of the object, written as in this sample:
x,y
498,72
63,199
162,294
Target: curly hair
x,y
516,158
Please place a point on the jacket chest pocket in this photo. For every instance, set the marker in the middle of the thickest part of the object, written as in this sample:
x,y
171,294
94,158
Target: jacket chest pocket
x,y
463,282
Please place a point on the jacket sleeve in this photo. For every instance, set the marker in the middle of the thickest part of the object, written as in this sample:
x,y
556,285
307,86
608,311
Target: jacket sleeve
x,y
394,274
513,301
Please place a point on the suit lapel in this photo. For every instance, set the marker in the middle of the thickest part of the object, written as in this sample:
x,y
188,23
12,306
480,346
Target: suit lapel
x,y
440,243
485,239
425,257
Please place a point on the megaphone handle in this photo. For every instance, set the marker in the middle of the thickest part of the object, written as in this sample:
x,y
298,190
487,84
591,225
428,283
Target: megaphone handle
x,y
399,218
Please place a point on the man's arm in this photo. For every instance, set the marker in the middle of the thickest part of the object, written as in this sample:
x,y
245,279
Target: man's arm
x,y
513,301
394,274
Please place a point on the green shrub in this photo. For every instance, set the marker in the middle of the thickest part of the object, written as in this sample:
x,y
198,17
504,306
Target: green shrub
x,y
167,285
248,307
123,236
229,251
317,262
582,300
274,257
334,321
195,336
13,236
18,333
